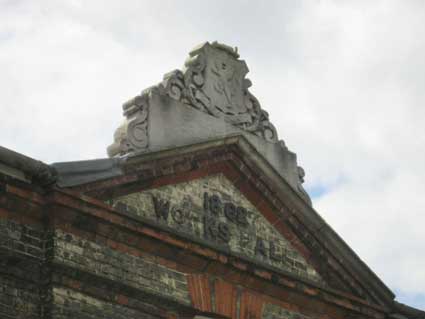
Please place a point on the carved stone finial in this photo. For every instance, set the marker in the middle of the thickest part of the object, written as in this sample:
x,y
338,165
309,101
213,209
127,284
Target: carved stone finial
x,y
208,99
214,82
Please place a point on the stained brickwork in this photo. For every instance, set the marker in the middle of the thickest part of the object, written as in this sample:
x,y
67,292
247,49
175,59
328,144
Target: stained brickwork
x,y
18,299
21,239
271,311
209,244
133,271
182,207
22,250
73,304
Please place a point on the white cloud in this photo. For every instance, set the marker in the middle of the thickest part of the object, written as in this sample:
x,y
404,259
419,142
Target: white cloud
x,y
342,80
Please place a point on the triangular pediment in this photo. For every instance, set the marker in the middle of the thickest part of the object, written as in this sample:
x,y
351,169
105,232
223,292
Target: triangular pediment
x,y
283,232
212,210
198,157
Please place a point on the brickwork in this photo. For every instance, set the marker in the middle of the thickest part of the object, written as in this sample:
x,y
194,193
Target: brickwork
x,y
18,299
271,311
133,271
186,213
21,239
22,251
73,304
66,254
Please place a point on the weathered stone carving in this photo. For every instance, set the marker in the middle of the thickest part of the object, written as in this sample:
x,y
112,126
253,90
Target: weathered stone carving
x,y
208,99
214,82
301,190
132,135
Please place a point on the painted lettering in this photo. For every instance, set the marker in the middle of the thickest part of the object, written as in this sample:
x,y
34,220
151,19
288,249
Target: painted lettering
x,y
178,216
241,216
260,248
215,205
210,227
224,232
206,202
230,211
273,254
162,208
245,239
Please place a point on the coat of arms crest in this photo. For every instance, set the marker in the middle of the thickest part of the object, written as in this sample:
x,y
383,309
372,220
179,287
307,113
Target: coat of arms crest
x,y
214,81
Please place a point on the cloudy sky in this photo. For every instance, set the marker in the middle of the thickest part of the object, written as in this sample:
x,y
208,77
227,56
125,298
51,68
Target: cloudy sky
x,y
343,81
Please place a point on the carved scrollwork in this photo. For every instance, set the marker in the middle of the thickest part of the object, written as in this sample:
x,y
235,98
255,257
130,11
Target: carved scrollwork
x,y
194,80
173,84
214,82
136,111
267,129
138,130
132,135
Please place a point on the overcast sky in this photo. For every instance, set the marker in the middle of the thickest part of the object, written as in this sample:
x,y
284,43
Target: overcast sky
x,y
343,81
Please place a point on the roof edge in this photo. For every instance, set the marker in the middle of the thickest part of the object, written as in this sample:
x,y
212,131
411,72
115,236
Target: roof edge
x,y
26,168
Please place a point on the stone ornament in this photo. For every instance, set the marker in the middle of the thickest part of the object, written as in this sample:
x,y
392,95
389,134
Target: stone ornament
x,y
300,188
214,82
132,135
